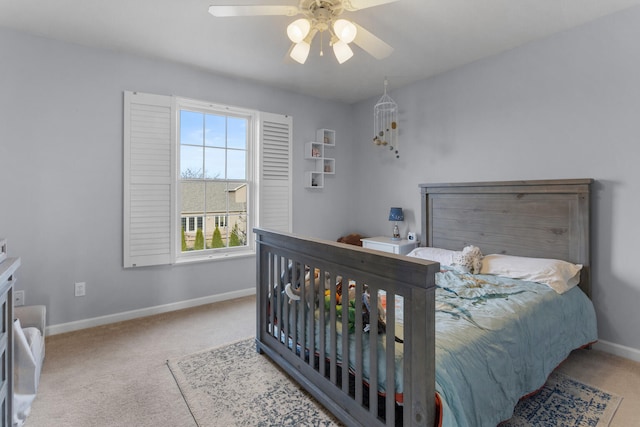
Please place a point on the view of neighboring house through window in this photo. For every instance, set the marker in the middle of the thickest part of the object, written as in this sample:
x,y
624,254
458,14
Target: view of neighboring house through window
x,y
213,178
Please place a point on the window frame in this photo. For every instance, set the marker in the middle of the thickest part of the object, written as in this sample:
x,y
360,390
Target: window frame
x,y
251,173
151,227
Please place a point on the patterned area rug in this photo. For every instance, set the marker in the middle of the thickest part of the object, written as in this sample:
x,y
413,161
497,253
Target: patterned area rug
x,y
235,386
563,401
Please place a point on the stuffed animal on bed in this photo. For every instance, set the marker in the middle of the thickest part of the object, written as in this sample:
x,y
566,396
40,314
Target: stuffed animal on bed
x,y
469,260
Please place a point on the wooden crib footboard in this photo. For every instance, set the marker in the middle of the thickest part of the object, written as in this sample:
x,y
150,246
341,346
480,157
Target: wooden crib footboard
x,y
302,293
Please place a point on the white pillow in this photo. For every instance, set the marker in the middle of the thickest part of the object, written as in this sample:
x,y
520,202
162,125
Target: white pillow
x,y
443,256
558,275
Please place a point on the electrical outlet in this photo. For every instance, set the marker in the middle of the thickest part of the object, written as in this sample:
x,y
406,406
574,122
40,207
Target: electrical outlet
x,y
18,298
81,288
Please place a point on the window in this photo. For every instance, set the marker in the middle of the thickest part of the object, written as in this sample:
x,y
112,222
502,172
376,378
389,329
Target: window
x,y
198,177
189,223
214,176
220,221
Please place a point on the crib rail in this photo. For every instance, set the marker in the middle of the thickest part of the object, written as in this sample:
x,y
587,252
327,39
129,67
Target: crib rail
x,y
332,355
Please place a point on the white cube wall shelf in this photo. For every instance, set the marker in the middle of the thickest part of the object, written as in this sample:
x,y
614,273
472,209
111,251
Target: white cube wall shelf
x,y
314,153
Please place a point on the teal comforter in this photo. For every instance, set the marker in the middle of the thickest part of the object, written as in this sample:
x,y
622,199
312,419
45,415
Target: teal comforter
x,y
499,339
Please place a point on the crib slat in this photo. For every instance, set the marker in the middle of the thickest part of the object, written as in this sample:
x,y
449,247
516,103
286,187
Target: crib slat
x,y
285,326
311,320
293,313
322,334
333,369
357,333
390,358
281,321
345,343
373,351
276,299
301,306
407,362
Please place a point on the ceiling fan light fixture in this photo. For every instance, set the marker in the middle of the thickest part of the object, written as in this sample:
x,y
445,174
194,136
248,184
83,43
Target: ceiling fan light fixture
x,y
345,30
318,16
342,51
300,52
298,30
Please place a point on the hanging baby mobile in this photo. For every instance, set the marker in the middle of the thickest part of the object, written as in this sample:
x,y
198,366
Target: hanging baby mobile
x,y
385,123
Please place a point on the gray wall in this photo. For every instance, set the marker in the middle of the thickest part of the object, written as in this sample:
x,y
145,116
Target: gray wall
x,y
61,174
564,107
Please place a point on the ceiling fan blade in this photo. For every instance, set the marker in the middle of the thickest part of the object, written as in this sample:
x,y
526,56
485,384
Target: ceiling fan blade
x,y
352,5
372,44
256,10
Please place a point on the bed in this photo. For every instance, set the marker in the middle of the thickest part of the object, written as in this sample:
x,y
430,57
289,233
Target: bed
x,y
441,354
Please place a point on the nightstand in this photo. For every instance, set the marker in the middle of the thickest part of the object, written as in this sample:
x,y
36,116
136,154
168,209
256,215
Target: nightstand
x,y
385,244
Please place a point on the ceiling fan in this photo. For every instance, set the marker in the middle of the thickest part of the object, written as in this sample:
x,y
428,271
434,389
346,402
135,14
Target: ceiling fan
x,y
318,16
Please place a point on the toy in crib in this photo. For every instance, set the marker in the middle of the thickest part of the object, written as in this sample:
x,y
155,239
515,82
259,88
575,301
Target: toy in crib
x,y
292,289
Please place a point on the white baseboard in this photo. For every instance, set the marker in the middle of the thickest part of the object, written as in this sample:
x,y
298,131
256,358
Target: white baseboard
x,y
619,350
134,314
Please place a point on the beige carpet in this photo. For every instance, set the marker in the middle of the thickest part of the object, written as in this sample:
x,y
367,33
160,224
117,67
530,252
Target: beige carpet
x,y
116,375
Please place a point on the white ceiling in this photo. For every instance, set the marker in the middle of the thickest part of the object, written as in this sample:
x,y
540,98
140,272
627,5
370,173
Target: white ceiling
x,y
429,36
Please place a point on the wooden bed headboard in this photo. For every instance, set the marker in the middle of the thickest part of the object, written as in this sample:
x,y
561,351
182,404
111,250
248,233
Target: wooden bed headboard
x,y
542,218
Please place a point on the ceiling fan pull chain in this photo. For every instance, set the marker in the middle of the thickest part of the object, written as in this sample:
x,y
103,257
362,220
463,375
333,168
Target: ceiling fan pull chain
x,y
321,43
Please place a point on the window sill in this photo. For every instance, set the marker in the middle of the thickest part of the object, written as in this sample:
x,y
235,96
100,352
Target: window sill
x,y
216,257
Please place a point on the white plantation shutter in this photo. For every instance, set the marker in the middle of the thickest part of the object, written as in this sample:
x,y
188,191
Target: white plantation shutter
x,y
275,176
148,179
150,148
